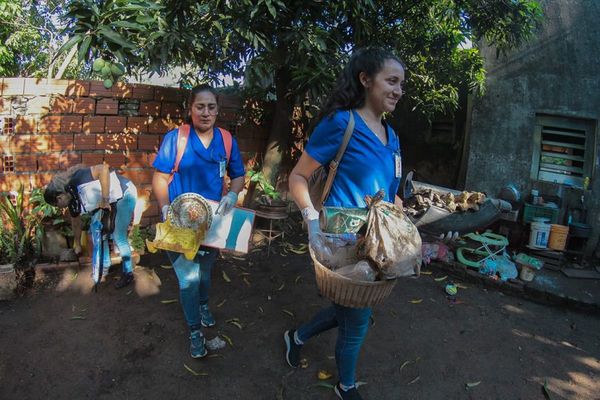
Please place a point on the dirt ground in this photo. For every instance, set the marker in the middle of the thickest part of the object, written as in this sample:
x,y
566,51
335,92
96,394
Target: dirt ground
x,y
63,341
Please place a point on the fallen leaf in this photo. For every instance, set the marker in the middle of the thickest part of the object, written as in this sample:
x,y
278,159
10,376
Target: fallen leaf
x,y
291,314
416,301
441,278
458,285
194,372
359,383
297,251
470,385
166,266
77,317
170,301
414,380
245,274
247,282
129,292
227,338
74,277
221,303
280,288
298,279
404,364
323,375
426,272
215,355
226,277
324,385
304,363
236,324
238,258
261,310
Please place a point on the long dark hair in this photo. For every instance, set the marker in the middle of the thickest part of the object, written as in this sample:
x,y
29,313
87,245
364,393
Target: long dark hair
x,y
58,184
349,92
195,92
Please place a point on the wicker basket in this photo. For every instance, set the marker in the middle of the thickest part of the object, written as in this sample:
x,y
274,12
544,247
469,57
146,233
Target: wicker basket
x,y
348,292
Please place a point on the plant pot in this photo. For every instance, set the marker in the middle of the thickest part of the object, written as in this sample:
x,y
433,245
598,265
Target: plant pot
x,y
8,282
277,208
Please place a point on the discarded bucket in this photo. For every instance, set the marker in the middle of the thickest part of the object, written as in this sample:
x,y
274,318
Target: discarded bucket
x,y
558,237
539,234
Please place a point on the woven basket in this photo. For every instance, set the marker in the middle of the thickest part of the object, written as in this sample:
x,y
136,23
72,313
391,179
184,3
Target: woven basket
x,y
348,292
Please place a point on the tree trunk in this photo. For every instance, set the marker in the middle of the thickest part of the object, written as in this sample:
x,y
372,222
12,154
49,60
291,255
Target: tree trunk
x,y
278,142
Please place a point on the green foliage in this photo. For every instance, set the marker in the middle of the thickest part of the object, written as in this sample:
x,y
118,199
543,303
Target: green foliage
x,y
137,239
266,191
47,214
21,232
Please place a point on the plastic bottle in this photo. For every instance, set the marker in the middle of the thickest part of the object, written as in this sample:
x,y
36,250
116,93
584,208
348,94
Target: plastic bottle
x,y
361,271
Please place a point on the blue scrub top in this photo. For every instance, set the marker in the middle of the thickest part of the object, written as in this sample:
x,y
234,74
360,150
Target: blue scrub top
x,y
367,165
199,168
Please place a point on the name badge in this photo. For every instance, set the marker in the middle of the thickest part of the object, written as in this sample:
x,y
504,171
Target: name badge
x,y
398,165
222,166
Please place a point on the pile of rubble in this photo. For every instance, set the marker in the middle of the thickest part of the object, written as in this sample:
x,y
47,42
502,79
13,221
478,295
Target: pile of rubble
x,y
425,198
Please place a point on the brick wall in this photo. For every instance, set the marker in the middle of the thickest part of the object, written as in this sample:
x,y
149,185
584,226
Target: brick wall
x,y
49,125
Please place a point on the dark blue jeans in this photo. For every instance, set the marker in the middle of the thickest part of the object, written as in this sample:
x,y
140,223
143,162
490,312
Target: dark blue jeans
x,y
352,324
194,282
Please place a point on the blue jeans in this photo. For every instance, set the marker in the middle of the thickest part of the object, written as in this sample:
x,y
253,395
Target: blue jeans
x,y
194,282
352,324
125,208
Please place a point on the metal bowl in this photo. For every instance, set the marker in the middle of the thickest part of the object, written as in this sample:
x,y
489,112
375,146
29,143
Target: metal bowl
x,y
190,210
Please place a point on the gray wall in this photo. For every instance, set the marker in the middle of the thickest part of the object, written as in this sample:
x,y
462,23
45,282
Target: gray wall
x,y
557,73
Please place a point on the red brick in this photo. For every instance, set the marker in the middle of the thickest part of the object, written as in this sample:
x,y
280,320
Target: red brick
x,y
50,124
143,92
137,159
120,141
21,144
69,159
122,90
62,142
115,160
161,125
173,110
61,105
12,86
71,123
115,124
97,89
169,94
84,105
84,142
137,124
150,108
50,162
41,143
25,125
148,142
92,158
93,124
25,163
38,105
107,106
78,88
40,179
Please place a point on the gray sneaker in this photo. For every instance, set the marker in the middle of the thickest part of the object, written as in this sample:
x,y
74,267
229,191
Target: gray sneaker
x,y
197,344
206,318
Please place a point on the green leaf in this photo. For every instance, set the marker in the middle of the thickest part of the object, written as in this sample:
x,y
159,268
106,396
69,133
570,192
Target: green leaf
x,y
84,48
115,37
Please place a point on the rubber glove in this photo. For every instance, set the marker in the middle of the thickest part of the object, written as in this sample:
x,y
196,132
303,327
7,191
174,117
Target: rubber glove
x,y
164,211
227,203
316,238
449,237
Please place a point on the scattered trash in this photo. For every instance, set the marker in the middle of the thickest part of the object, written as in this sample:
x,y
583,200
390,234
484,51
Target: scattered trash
x,y
451,289
215,343
323,375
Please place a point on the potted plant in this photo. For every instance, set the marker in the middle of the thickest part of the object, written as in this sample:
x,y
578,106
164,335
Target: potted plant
x,y
21,235
268,199
57,235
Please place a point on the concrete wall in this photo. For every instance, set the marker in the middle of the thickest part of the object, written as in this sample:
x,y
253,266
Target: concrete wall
x,y
557,73
50,125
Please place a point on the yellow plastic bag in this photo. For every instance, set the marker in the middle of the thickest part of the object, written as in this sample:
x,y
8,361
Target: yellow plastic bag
x,y
392,242
180,240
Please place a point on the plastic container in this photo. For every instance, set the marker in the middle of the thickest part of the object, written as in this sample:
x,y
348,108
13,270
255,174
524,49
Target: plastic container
x,y
361,271
527,273
540,231
558,237
531,212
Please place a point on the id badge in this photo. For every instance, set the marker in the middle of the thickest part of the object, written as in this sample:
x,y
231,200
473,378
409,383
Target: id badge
x,y
397,165
222,166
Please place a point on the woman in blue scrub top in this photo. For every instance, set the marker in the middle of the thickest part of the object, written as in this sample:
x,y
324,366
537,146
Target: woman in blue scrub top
x,y
369,86
201,170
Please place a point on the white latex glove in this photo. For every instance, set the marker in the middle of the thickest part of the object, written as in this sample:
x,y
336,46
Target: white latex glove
x,y
449,237
227,203
316,238
164,211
